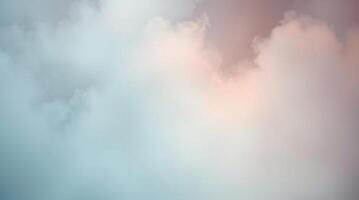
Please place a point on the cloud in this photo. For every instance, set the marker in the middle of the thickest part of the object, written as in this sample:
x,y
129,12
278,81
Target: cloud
x,y
236,23
114,105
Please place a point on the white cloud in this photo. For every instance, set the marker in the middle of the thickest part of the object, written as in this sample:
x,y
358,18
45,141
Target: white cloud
x,y
142,111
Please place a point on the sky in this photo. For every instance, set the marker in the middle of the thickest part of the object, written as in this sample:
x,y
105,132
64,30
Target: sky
x,y
179,99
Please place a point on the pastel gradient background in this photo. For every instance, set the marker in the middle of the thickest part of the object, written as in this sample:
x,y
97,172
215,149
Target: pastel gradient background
x,y
179,99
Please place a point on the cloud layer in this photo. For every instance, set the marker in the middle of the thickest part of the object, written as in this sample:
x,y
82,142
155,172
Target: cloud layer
x,y
102,102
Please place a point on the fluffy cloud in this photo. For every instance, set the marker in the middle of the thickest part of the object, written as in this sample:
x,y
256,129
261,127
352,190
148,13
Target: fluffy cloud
x,y
113,105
